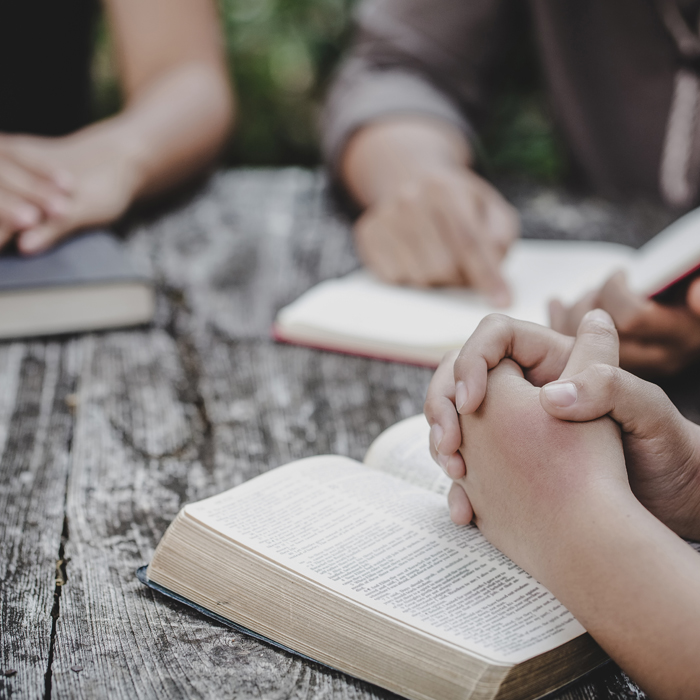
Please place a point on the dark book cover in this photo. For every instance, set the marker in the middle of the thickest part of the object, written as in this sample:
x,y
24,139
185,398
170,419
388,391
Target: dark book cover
x,y
93,257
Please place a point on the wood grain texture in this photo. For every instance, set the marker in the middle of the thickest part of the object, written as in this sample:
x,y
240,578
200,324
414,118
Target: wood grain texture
x,y
199,402
35,433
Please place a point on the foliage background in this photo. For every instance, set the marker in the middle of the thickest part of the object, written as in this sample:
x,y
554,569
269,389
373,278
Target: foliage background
x,y
282,54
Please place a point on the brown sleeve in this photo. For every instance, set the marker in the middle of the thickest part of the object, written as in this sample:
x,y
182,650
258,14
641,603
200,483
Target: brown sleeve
x,y
421,57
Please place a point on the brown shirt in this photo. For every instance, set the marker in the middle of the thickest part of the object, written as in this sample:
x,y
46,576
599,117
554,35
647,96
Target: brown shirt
x,y
614,70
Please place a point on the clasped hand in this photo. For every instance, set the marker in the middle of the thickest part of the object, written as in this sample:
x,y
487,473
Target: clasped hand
x,y
545,418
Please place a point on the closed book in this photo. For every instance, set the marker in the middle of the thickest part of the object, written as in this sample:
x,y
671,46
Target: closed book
x,y
85,283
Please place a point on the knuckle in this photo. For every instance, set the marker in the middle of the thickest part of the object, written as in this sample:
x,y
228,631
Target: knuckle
x,y
430,408
497,323
659,396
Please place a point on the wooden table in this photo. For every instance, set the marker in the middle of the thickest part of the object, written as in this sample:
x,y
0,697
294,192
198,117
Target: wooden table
x,y
104,437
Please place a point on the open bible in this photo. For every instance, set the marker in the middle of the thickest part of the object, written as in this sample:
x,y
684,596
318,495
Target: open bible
x,y
358,566
361,315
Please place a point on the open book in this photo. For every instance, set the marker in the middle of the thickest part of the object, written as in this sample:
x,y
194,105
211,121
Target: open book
x,y
358,566
359,314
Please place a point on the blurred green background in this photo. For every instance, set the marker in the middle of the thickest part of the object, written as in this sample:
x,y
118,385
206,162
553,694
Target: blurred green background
x,y
282,54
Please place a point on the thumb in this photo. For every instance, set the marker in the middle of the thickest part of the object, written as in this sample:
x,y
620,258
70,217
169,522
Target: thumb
x,y
601,390
596,342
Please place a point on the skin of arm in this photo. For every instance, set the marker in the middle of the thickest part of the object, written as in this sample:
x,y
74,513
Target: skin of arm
x,y
178,113
553,496
580,381
429,219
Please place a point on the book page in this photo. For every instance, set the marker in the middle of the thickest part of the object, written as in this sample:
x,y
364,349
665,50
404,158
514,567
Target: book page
x,y
667,257
361,313
391,546
403,451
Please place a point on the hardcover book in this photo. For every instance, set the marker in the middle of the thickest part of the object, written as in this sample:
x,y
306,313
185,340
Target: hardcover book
x,y
358,566
86,283
360,315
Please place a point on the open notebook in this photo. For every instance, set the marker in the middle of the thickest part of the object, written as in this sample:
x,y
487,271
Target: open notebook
x,y
359,314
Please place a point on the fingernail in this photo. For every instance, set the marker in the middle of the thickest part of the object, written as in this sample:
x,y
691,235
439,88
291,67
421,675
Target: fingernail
x,y
601,317
436,434
461,395
561,394
27,215
443,461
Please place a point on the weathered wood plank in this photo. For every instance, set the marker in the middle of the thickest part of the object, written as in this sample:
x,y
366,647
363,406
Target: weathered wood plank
x,y
35,433
140,450
250,244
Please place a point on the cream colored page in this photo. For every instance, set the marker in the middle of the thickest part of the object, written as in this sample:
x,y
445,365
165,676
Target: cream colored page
x,y
391,546
666,257
403,451
361,307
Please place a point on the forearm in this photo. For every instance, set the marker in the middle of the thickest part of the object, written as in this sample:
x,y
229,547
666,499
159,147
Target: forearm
x,y
172,128
387,153
633,585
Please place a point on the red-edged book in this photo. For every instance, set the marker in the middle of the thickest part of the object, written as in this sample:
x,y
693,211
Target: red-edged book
x,y
360,315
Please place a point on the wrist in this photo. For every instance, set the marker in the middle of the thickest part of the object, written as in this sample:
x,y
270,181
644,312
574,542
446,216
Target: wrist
x,y
133,157
117,143
570,532
387,155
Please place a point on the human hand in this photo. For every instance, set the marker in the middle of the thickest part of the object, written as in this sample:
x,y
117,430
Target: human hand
x,y
655,339
661,447
459,383
530,475
97,176
446,226
31,189
553,496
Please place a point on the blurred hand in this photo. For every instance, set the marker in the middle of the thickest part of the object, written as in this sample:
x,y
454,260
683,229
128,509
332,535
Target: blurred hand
x,y
662,449
50,187
32,190
655,339
446,226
